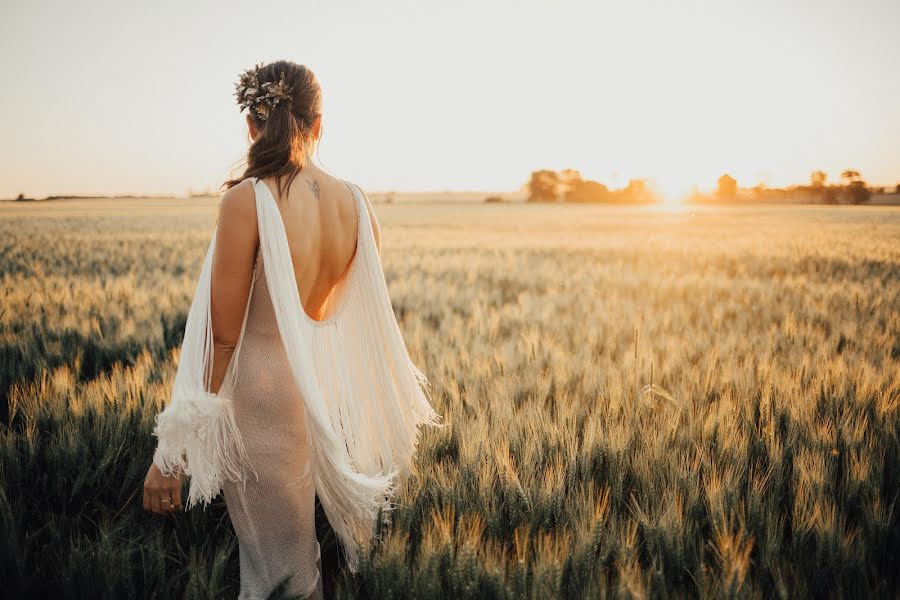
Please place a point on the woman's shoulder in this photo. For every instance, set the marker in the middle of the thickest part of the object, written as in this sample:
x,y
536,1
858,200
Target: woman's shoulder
x,y
239,202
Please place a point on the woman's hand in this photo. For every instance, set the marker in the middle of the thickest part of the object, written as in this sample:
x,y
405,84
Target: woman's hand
x,y
162,494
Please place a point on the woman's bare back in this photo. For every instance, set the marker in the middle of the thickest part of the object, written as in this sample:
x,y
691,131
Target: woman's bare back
x,y
321,221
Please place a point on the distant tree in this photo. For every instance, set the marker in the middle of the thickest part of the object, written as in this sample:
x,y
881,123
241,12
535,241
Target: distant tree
x,y
759,192
638,192
818,189
568,180
857,192
897,189
830,194
588,191
726,188
543,186
493,200
855,189
849,176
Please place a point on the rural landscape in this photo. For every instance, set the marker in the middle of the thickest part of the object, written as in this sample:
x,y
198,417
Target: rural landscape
x,y
644,257
696,401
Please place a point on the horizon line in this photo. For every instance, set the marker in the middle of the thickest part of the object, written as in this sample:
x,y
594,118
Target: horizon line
x,y
192,193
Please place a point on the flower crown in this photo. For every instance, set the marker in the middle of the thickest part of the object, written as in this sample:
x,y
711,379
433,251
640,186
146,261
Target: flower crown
x,y
261,97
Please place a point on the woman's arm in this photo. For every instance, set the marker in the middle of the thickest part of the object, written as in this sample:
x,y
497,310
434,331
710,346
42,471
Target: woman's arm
x,y
237,239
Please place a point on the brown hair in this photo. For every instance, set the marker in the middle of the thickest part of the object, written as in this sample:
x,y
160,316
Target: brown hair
x,y
278,149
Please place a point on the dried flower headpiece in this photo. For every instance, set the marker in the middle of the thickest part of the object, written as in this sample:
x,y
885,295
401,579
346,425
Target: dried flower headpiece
x,y
262,98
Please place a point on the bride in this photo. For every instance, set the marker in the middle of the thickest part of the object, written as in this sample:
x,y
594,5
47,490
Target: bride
x,y
293,379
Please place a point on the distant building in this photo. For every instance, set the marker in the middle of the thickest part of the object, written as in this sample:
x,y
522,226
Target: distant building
x,y
726,188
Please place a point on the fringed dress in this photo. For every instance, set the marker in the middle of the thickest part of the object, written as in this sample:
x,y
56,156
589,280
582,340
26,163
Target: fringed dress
x,y
329,408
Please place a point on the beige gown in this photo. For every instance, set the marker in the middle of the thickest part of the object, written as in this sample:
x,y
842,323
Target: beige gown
x,y
274,517
307,408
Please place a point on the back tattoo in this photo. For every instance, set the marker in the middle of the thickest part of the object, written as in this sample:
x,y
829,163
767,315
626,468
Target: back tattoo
x,y
314,186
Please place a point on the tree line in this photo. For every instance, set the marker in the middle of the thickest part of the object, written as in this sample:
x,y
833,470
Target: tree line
x,y
568,185
851,189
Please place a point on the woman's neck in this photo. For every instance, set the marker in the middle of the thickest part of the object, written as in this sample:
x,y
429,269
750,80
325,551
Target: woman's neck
x,y
308,155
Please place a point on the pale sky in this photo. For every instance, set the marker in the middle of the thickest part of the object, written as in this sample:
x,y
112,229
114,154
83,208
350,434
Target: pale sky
x,y
126,97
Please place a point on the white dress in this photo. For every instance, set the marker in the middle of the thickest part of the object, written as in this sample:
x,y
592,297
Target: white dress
x,y
329,408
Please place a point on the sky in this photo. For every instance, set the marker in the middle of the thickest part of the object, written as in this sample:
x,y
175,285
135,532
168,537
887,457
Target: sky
x,y
118,97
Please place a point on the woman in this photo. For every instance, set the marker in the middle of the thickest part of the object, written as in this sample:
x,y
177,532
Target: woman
x,y
292,369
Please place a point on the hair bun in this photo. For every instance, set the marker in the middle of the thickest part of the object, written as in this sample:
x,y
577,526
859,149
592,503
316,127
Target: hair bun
x,y
261,97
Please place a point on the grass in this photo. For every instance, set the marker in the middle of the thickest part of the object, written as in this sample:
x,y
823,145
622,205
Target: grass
x,y
642,404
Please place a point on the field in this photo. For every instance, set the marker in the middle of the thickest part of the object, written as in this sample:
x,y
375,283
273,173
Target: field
x,y
692,403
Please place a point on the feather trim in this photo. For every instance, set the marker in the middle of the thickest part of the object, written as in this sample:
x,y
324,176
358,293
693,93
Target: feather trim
x,y
197,433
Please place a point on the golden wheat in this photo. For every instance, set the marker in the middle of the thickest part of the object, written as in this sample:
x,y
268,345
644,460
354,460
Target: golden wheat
x,y
642,403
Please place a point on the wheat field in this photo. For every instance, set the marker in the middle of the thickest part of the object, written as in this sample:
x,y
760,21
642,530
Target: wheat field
x,y
642,403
